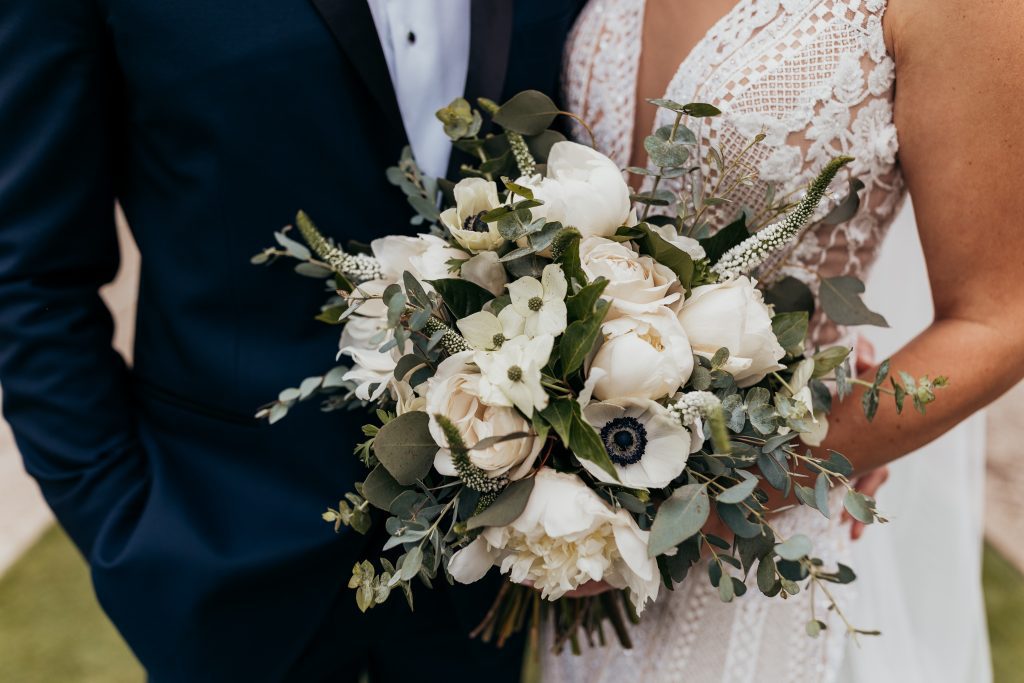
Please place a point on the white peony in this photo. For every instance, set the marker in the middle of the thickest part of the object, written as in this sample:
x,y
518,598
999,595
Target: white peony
x,y
485,270
646,445
541,303
583,189
566,537
454,391
512,374
636,284
425,256
733,315
643,356
474,197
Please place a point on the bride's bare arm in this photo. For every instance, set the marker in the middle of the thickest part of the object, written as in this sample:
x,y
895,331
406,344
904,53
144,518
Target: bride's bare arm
x,y
959,95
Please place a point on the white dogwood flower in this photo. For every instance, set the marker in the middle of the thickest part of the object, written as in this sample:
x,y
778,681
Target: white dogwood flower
x,y
512,374
541,303
485,331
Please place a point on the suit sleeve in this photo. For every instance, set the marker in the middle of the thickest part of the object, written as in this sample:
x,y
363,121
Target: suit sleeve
x,y
65,390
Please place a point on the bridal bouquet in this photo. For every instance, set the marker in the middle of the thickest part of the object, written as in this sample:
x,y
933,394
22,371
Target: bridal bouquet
x,y
564,389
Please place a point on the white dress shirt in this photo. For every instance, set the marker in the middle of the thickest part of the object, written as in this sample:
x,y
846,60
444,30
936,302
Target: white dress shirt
x,y
426,46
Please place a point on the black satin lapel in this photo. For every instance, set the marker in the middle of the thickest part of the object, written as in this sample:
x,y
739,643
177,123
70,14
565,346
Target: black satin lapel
x,y
351,24
489,41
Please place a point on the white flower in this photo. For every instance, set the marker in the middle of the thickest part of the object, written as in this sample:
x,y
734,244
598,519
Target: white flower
x,y
371,369
646,445
643,356
733,315
636,284
681,242
541,303
474,197
583,189
485,331
485,270
425,256
454,391
566,537
511,375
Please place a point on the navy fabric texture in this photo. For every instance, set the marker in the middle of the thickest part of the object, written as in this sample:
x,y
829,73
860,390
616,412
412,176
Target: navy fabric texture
x,y
212,123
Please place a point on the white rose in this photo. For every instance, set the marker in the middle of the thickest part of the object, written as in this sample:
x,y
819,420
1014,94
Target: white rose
x,y
566,537
733,315
473,197
681,242
425,256
643,356
636,284
583,189
454,391
485,270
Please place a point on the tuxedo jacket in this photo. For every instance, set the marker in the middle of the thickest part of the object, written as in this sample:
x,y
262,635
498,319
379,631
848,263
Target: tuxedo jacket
x,y
212,123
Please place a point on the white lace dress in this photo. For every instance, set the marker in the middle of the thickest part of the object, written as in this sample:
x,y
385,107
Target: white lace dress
x,y
815,76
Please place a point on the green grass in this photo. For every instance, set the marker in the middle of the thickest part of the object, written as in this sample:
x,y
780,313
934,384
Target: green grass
x,y
1004,601
52,629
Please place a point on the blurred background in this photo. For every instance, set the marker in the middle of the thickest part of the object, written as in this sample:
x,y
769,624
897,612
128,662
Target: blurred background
x,y
51,627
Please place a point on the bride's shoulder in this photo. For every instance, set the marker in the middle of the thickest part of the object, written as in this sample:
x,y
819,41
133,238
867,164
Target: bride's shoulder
x,y
919,29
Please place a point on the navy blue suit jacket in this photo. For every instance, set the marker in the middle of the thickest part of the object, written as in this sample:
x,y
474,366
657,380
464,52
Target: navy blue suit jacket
x,y
212,123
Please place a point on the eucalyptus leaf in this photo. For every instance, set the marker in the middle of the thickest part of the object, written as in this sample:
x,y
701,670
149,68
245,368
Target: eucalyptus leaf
x,y
840,297
790,294
405,447
791,329
846,209
381,489
529,113
681,516
735,517
738,493
860,507
794,548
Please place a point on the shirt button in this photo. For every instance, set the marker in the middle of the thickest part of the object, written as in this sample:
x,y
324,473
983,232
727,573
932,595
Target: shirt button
x,y
411,38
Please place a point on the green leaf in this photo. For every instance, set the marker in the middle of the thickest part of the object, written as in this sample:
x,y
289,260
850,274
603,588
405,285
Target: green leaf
x,y
565,250
655,246
735,518
847,209
381,489
815,627
679,518
579,338
664,153
838,464
725,239
411,563
860,507
540,145
821,489
840,297
767,581
462,297
738,493
795,548
559,414
791,330
587,445
529,113
701,109
725,589
580,306
790,294
405,448
506,508
828,360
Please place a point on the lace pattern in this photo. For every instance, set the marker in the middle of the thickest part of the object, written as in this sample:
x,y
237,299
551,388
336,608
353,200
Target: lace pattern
x,y
814,75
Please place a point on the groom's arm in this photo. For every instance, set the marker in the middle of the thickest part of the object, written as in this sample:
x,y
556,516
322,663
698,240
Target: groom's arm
x,y
65,390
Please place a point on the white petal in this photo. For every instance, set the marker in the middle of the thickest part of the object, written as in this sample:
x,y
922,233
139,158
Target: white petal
x,y
480,329
521,291
554,283
472,562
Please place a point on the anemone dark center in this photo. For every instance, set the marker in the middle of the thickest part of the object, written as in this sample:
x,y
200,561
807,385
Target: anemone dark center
x,y
475,223
625,440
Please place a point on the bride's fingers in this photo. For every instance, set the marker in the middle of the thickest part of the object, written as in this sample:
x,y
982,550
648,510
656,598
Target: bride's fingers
x,y
589,589
865,360
868,485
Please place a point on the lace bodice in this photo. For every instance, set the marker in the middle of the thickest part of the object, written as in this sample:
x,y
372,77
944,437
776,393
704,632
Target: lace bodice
x,y
814,75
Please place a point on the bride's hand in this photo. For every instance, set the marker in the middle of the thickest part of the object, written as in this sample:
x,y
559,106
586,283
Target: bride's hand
x,y
587,590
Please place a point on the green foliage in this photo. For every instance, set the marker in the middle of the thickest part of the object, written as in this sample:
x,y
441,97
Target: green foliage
x,y
460,120
462,297
582,334
506,508
725,239
840,297
528,113
791,330
654,245
381,489
848,208
680,517
405,447
790,294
